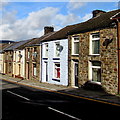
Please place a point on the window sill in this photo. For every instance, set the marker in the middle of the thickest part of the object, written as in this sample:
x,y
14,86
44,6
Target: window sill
x,y
57,58
95,82
45,58
94,54
56,79
75,54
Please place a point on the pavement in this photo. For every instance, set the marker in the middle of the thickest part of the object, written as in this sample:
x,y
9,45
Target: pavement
x,y
83,93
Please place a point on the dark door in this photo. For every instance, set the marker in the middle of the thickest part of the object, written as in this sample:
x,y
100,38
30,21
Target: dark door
x,y
76,73
46,66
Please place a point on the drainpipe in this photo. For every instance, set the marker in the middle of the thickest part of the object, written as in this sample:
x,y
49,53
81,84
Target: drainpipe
x,y
118,43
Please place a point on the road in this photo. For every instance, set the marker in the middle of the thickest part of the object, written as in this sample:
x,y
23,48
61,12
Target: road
x,y
26,103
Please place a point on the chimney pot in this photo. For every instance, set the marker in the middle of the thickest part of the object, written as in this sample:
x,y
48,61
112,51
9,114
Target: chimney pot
x,y
96,13
48,29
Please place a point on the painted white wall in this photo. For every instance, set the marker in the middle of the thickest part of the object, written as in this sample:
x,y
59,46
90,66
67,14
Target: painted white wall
x,y
63,62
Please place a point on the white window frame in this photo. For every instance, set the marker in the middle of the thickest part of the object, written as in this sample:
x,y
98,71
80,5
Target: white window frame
x,y
44,50
55,50
34,70
54,74
91,40
90,71
74,41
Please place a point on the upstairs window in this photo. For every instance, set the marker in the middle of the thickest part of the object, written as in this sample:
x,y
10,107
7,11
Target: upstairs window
x,y
57,49
75,46
46,49
95,44
28,53
34,52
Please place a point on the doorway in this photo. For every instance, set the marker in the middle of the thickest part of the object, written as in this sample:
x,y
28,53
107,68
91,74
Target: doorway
x,y
76,74
46,71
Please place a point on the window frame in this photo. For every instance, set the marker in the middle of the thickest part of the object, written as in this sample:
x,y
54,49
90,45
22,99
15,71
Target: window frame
x,y
73,44
91,45
55,50
54,71
34,73
91,67
46,49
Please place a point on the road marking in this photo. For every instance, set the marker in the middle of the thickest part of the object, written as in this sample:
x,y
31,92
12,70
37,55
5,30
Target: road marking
x,y
64,113
76,96
18,95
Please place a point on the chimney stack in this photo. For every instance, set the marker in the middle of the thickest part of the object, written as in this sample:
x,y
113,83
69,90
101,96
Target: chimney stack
x,y
97,13
48,29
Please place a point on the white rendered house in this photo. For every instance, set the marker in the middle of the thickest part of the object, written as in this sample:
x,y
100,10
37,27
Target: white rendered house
x,y
55,62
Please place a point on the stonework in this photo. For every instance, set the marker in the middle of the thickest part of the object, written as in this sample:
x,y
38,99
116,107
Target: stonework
x,y
107,57
29,70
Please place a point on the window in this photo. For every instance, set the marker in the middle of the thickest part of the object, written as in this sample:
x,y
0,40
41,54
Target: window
x,y
57,49
95,44
46,49
95,71
34,52
28,53
57,70
34,69
75,47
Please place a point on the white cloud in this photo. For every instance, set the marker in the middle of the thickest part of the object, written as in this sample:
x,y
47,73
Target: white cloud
x,y
28,27
74,4
87,17
32,26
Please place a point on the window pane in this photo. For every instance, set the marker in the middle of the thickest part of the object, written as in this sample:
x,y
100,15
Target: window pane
x,y
95,35
96,74
34,69
76,47
46,50
95,46
57,49
96,63
57,70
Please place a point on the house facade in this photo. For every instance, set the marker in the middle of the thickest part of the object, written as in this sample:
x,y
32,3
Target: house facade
x,y
19,63
93,52
32,62
55,62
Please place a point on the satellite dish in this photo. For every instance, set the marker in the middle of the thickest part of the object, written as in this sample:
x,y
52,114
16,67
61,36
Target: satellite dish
x,y
59,48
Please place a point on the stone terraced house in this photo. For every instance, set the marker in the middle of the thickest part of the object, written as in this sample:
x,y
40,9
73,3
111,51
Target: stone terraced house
x,y
77,55
93,51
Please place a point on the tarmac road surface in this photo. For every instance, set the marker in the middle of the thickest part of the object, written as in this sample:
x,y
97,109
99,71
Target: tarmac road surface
x,y
26,103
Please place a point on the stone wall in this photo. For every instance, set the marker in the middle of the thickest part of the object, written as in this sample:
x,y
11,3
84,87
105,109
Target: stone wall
x,y
107,57
31,61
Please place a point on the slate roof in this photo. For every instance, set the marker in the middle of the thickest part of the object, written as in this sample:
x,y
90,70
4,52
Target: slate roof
x,y
95,23
16,45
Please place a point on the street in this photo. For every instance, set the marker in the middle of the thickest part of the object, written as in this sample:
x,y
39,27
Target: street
x,y
25,103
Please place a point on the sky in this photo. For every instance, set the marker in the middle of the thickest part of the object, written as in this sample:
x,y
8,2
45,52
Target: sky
x,y
26,20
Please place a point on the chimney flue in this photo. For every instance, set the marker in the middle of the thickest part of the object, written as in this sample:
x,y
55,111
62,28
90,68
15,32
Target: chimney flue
x,y
48,29
97,13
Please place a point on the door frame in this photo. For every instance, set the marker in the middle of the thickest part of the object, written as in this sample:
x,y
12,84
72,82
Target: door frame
x,y
74,63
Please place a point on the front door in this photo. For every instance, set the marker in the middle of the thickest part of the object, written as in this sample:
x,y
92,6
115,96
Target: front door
x,y
76,74
46,71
